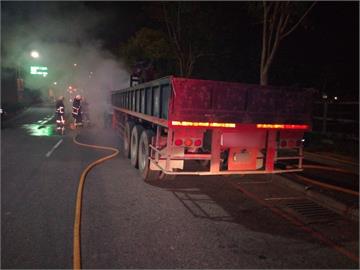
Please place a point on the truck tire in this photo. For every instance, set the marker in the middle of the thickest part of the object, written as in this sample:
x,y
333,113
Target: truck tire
x,y
126,140
166,177
134,144
143,157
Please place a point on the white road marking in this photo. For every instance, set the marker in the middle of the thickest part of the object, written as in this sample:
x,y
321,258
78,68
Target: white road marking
x,y
54,147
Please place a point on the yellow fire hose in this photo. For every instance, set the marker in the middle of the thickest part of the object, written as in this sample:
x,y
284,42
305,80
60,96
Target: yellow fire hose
x,y
76,237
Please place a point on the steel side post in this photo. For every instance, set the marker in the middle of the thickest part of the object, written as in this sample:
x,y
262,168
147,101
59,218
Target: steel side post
x,y
157,143
270,150
168,148
215,151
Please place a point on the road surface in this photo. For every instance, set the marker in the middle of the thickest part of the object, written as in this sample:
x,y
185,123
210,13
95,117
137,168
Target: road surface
x,y
192,222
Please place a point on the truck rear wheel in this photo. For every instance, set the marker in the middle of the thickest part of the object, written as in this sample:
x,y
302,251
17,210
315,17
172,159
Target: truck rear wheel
x,y
166,177
143,157
134,144
127,138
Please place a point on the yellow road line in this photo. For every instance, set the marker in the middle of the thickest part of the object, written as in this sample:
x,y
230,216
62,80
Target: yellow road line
x,y
77,223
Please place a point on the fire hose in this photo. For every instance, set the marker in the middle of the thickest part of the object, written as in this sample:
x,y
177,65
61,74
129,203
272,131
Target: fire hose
x,y
77,222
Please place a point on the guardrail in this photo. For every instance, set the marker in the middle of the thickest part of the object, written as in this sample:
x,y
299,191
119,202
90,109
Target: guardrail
x,y
336,118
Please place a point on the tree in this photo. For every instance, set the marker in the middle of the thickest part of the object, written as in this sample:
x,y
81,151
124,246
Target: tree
x,y
184,48
280,19
146,44
189,31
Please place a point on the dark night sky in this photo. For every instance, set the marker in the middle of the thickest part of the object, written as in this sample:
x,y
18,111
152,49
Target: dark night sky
x,y
324,55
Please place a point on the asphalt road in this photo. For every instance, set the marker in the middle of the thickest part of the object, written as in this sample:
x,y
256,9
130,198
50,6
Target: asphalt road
x,y
192,222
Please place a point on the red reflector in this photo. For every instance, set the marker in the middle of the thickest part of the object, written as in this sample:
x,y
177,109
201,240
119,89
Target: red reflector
x,y
188,142
296,126
202,124
283,143
282,126
197,143
178,142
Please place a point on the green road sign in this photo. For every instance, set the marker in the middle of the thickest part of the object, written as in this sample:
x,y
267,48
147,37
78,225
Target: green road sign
x,y
37,70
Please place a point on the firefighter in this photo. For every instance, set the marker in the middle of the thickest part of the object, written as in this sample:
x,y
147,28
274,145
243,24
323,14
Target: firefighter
x,y
59,114
76,111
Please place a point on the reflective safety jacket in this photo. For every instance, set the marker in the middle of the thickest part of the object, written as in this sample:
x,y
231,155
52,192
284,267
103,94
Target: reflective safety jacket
x,y
76,108
60,108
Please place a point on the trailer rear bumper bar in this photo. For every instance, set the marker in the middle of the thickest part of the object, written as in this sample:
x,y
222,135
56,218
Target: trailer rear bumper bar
x,y
223,172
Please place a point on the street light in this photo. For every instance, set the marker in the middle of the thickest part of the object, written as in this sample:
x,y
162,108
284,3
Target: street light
x,y
34,54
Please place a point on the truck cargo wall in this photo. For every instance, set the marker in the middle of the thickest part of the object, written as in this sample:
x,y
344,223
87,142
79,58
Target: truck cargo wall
x,y
182,99
213,101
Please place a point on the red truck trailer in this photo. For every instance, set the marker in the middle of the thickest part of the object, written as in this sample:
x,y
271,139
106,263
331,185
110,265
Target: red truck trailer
x,y
229,128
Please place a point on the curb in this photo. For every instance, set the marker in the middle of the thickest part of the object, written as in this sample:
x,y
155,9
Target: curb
x,y
324,200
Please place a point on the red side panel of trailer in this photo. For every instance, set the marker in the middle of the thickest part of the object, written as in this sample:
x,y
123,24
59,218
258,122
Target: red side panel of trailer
x,y
226,102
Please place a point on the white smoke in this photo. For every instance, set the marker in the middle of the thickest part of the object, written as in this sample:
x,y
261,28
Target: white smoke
x,y
63,34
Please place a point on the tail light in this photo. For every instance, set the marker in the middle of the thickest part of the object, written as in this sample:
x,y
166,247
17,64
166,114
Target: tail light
x,y
188,142
178,142
197,142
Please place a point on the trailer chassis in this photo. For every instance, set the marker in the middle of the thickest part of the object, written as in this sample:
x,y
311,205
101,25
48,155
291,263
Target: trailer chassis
x,y
161,155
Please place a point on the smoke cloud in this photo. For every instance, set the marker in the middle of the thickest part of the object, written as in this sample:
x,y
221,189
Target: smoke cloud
x,y
65,35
